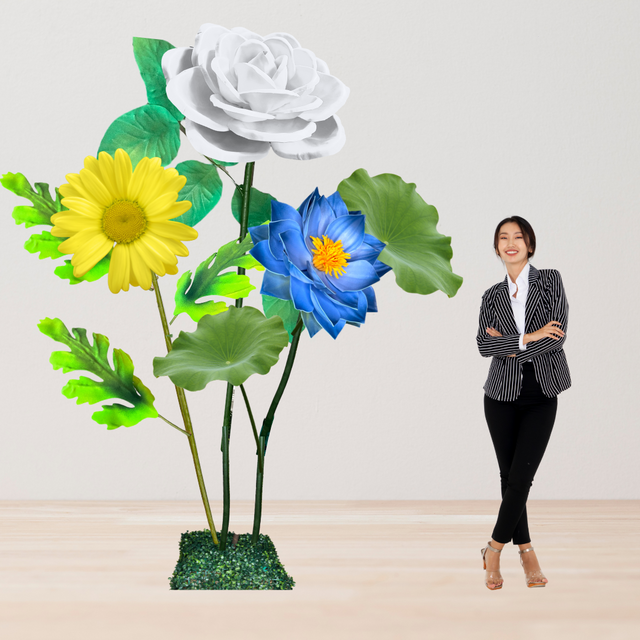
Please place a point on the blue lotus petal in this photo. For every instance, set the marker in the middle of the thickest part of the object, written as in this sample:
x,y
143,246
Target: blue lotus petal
x,y
324,306
337,204
296,273
320,217
263,255
381,268
308,202
332,329
276,286
370,294
349,230
366,252
310,322
301,295
347,298
319,279
358,275
358,314
296,249
275,229
259,233
282,211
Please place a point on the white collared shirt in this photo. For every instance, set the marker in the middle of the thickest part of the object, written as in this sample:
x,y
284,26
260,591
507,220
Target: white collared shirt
x,y
518,304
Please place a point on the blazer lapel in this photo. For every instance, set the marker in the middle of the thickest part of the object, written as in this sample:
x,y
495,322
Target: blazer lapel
x,y
504,311
533,297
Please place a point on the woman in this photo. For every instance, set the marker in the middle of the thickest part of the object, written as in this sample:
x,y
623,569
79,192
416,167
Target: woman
x,y
523,324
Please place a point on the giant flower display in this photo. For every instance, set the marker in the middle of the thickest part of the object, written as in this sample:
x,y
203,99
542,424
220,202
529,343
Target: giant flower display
x,y
242,93
320,257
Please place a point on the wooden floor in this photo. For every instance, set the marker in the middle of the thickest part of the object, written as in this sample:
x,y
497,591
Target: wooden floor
x,y
363,570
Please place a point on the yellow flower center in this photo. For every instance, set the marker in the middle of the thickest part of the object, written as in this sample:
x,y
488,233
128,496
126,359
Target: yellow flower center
x,y
124,221
329,256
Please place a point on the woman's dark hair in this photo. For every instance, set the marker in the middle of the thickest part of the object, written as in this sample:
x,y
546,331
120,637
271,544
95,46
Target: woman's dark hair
x,y
527,232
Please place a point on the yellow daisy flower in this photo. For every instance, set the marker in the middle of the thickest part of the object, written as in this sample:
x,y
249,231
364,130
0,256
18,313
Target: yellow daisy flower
x,y
110,203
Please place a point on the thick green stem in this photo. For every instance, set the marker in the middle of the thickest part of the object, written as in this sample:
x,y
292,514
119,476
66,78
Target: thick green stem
x,y
184,409
253,428
226,493
266,428
228,409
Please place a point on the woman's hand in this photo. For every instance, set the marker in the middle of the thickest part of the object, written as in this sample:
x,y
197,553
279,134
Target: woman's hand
x,y
496,334
548,331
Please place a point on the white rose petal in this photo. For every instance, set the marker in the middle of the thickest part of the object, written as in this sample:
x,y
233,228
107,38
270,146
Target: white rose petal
x,y
226,146
328,139
243,94
175,61
190,91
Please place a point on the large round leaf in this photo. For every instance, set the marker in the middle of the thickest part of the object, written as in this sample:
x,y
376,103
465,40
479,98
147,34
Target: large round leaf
x,y
230,346
149,131
419,255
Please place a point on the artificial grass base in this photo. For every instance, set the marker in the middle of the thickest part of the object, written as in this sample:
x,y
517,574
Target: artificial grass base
x,y
243,566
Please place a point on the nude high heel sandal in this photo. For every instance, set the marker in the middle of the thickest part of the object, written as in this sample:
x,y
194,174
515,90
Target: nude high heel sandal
x,y
533,578
491,577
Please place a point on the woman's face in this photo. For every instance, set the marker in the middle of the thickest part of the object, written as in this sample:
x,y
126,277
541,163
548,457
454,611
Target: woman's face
x,y
511,245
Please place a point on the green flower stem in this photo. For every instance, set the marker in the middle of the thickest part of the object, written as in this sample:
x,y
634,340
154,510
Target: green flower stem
x,y
255,431
175,426
184,409
228,408
266,428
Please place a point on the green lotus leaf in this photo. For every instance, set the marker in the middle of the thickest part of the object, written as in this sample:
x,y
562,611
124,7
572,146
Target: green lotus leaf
x,y
284,309
259,206
230,346
117,382
148,53
203,190
395,214
148,131
209,281
44,206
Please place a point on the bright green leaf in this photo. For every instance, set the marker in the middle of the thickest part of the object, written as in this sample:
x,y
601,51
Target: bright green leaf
x,y
419,255
283,308
45,244
148,131
65,271
117,382
44,206
203,190
259,206
231,346
209,281
148,53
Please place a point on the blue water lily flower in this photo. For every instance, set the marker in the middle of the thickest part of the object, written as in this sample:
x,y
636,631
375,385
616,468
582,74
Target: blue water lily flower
x,y
319,257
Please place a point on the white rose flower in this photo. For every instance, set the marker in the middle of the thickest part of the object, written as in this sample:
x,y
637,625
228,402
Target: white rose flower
x,y
242,93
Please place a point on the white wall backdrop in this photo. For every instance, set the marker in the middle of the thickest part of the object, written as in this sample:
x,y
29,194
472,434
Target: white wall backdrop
x,y
492,108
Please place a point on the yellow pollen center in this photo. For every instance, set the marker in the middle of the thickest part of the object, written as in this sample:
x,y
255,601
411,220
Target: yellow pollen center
x,y
124,221
329,256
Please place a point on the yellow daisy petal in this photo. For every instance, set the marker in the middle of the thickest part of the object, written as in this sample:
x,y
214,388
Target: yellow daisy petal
x,y
122,170
119,269
150,256
77,223
92,183
138,178
90,255
175,230
174,211
159,247
78,240
176,247
105,167
160,203
172,269
139,268
82,205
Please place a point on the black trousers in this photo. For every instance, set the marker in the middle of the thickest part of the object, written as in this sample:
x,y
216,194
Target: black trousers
x,y
520,431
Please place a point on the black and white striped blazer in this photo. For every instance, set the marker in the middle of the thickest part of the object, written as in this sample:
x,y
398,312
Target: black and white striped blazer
x,y
546,301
